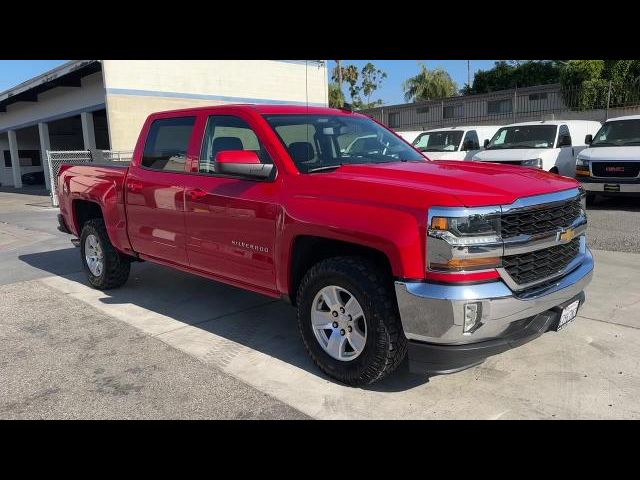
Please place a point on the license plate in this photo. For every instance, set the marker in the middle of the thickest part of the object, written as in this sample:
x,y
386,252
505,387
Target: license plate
x,y
611,187
568,314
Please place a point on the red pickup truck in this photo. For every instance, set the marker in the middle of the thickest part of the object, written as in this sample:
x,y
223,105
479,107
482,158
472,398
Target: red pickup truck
x,y
385,253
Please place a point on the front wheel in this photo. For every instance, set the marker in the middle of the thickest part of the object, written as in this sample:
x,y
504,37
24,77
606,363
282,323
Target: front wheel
x,y
349,321
105,267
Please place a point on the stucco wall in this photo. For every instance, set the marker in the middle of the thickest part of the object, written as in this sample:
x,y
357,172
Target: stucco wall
x,y
136,88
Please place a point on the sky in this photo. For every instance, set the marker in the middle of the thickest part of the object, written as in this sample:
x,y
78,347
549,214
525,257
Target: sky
x,y
13,72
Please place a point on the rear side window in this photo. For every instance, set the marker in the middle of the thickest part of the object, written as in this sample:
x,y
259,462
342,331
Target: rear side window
x,y
167,144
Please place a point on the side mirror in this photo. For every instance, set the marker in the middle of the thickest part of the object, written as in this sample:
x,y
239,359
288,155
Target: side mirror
x,y
486,142
242,162
564,141
588,139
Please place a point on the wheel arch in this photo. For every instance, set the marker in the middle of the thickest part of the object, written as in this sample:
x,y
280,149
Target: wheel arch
x,y
308,250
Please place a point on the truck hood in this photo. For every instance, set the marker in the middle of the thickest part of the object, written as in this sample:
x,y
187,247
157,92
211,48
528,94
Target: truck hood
x,y
443,182
510,154
610,153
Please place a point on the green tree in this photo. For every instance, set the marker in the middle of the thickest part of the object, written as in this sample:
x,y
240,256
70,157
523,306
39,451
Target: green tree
x,y
372,79
429,85
349,74
583,84
508,74
336,97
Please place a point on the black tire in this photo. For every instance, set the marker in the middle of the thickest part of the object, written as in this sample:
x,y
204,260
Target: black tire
x,y
385,346
116,265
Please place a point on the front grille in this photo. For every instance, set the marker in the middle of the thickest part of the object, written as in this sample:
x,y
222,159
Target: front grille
x,y
540,219
535,266
616,169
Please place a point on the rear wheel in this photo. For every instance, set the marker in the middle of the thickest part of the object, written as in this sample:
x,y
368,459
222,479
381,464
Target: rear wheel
x,y
105,267
349,320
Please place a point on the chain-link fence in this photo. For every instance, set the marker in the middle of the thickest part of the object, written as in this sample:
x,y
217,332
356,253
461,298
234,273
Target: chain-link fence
x,y
78,157
589,102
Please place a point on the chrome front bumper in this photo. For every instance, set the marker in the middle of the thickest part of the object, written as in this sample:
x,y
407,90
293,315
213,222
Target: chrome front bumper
x,y
434,313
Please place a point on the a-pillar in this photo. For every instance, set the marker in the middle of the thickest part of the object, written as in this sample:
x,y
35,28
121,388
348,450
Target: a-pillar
x,y
45,144
15,159
88,132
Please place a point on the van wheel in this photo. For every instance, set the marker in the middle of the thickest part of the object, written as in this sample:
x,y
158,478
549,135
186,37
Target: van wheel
x,y
349,321
105,267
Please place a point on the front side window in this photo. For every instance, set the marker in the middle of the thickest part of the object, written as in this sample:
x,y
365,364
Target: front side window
x,y
326,141
618,133
524,136
443,141
224,133
167,144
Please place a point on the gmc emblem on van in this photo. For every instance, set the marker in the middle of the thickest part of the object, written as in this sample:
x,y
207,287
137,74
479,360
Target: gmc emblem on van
x,y
615,169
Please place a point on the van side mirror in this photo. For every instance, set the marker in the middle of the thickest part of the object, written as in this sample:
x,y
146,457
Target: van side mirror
x,y
486,142
467,145
588,139
564,141
245,163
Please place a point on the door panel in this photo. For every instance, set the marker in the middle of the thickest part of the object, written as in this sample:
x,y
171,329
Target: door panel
x,y
155,214
231,226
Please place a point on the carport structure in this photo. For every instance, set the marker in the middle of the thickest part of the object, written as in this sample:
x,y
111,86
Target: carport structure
x,y
102,104
63,109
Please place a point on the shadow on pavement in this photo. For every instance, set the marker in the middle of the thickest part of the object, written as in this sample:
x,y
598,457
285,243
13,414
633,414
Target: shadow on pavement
x,y
249,319
626,203
39,190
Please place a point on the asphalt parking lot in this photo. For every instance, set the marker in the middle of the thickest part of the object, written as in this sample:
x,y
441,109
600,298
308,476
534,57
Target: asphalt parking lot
x,y
172,345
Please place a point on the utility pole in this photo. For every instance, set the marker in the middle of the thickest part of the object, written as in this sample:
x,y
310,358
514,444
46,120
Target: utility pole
x,y
469,73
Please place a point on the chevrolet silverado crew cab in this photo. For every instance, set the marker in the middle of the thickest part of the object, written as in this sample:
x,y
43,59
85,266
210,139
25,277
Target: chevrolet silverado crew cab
x,y
383,252
548,145
611,164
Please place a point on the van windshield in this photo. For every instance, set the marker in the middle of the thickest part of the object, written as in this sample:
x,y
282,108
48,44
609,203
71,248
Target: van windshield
x,y
444,141
618,133
524,136
323,142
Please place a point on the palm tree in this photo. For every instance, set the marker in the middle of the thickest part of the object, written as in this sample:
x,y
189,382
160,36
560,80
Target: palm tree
x,y
429,85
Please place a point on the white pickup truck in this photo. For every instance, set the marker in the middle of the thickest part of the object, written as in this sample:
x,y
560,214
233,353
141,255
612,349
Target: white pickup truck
x,y
548,145
611,164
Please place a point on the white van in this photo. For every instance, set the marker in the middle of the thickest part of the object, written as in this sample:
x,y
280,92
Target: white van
x,y
453,143
409,136
551,145
610,165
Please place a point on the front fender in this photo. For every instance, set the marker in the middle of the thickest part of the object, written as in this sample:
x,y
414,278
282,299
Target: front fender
x,y
397,233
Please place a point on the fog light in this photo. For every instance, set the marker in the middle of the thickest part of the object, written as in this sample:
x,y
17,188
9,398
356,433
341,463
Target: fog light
x,y
472,316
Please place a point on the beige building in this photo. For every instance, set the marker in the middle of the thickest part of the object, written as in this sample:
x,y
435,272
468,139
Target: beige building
x,y
101,104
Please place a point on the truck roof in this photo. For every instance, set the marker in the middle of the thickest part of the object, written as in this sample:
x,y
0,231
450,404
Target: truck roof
x,y
268,109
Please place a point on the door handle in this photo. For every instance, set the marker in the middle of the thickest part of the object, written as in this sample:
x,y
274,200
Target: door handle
x,y
134,186
196,194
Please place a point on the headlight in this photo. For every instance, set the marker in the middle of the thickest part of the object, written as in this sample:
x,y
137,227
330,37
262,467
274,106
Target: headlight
x,y
461,243
582,168
533,163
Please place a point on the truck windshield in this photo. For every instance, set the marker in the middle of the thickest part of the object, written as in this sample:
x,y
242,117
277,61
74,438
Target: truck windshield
x,y
524,136
322,142
448,141
618,133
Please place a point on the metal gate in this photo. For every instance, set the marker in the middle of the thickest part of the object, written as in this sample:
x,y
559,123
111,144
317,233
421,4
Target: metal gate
x,y
55,158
